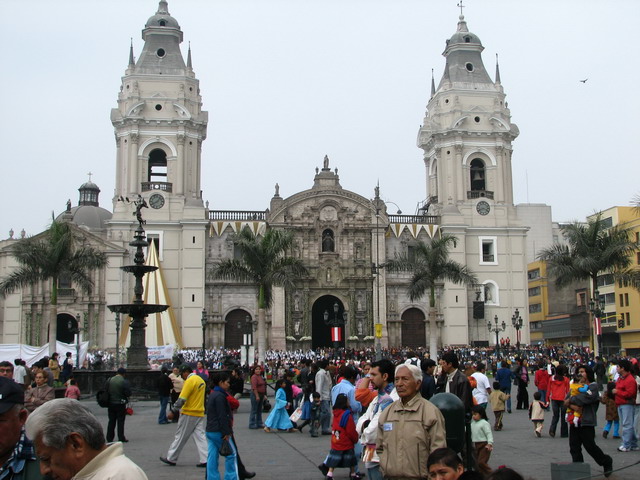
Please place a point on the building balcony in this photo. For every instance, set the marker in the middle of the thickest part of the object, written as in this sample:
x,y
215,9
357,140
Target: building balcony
x,y
238,215
162,186
417,219
66,292
473,194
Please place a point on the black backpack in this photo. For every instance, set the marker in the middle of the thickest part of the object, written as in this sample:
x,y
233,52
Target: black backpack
x,y
102,397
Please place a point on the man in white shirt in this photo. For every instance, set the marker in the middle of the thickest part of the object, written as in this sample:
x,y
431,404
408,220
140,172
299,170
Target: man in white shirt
x,y
483,387
19,372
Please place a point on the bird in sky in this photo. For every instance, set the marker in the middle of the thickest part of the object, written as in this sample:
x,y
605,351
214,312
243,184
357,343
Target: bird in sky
x,y
585,80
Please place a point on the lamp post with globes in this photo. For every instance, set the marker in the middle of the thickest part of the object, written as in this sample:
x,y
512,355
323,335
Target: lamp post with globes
x,y
117,340
203,321
497,329
76,331
595,307
517,322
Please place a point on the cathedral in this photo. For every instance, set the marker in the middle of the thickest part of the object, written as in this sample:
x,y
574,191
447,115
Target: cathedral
x,y
343,238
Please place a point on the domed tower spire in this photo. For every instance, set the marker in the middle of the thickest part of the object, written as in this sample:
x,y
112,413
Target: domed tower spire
x,y
189,65
433,84
497,71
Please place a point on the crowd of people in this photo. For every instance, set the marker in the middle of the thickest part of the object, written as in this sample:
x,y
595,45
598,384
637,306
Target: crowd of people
x,y
370,409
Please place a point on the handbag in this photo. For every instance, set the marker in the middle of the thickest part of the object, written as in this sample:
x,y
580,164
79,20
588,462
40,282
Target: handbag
x,y
295,416
225,448
266,406
129,409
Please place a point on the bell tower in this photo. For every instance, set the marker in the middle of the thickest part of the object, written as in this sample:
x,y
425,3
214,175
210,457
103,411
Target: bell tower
x,y
159,129
159,126
467,140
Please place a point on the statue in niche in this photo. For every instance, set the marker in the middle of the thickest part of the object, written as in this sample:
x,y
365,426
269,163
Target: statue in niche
x,y
329,275
488,293
296,303
296,327
360,327
328,242
358,252
360,308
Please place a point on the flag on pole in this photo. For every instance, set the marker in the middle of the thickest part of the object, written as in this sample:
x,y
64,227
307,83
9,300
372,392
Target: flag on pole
x,y
336,334
597,325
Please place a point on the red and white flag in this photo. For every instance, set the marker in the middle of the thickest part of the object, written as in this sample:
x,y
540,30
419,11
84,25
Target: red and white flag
x,y
336,334
597,325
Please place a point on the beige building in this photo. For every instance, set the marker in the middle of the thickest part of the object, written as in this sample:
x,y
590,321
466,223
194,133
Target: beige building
x,y
344,238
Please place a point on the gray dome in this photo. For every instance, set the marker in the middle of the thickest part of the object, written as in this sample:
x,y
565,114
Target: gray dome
x,y
89,186
87,216
162,18
463,35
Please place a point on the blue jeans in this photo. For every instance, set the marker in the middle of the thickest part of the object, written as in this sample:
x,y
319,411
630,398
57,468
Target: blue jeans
x,y
162,416
325,415
255,417
626,414
214,439
616,427
374,473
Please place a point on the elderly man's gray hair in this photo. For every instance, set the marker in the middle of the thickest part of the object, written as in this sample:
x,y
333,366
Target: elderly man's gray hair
x,y
415,371
57,419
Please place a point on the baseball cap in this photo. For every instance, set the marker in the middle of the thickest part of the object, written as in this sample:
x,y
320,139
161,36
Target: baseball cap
x,y
10,394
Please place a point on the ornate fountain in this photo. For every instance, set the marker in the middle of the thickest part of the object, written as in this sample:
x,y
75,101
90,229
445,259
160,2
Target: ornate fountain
x,y
138,310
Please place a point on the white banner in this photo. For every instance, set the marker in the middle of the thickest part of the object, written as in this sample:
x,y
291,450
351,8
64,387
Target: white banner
x,y
160,353
31,355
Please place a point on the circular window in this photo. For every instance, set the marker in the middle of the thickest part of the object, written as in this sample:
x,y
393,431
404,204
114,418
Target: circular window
x,y
448,152
160,52
469,67
191,89
158,107
446,101
477,119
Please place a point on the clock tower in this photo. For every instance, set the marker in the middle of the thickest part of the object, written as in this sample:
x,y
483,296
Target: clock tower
x,y
159,129
467,140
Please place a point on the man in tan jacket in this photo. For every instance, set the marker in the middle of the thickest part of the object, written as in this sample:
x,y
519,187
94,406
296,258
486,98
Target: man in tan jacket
x,y
409,429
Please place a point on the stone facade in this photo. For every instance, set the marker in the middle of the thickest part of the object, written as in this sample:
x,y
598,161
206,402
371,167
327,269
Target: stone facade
x,y
342,237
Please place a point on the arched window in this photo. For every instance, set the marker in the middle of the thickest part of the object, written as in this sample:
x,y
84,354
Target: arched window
x,y
328,242
157,166
478,175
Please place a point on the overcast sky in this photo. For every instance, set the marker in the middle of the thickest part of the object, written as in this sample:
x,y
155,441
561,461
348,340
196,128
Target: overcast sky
x,y
287,81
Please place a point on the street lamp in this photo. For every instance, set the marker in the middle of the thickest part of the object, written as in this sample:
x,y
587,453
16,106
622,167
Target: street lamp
x,y
335,323
497,329
117,340
76,332
203,320
516,321
595,307
248,334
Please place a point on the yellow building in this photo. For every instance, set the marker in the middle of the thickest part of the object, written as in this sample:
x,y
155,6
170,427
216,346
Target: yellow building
x,y
621,303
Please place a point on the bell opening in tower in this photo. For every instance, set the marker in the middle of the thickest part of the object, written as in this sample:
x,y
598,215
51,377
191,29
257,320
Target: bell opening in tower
x,y
157,166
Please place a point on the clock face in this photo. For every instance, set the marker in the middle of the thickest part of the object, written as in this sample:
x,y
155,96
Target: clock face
x,y
156,201
483,208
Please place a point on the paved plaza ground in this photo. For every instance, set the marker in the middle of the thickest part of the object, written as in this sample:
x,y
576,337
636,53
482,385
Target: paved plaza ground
x,y
296,456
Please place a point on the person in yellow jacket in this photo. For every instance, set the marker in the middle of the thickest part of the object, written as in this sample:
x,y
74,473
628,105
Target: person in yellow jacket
x,y
409,429
192,421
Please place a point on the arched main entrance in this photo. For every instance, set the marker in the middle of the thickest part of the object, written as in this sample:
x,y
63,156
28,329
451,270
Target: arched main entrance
x,y
66,325
320,331
413,328
235,327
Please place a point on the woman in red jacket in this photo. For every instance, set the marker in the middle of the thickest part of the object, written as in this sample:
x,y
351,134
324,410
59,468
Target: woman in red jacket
x,y
558,390
343,438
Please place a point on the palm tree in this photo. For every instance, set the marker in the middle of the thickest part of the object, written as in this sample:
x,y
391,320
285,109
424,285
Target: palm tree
x,y
264,263
59,251
430,265
590,249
